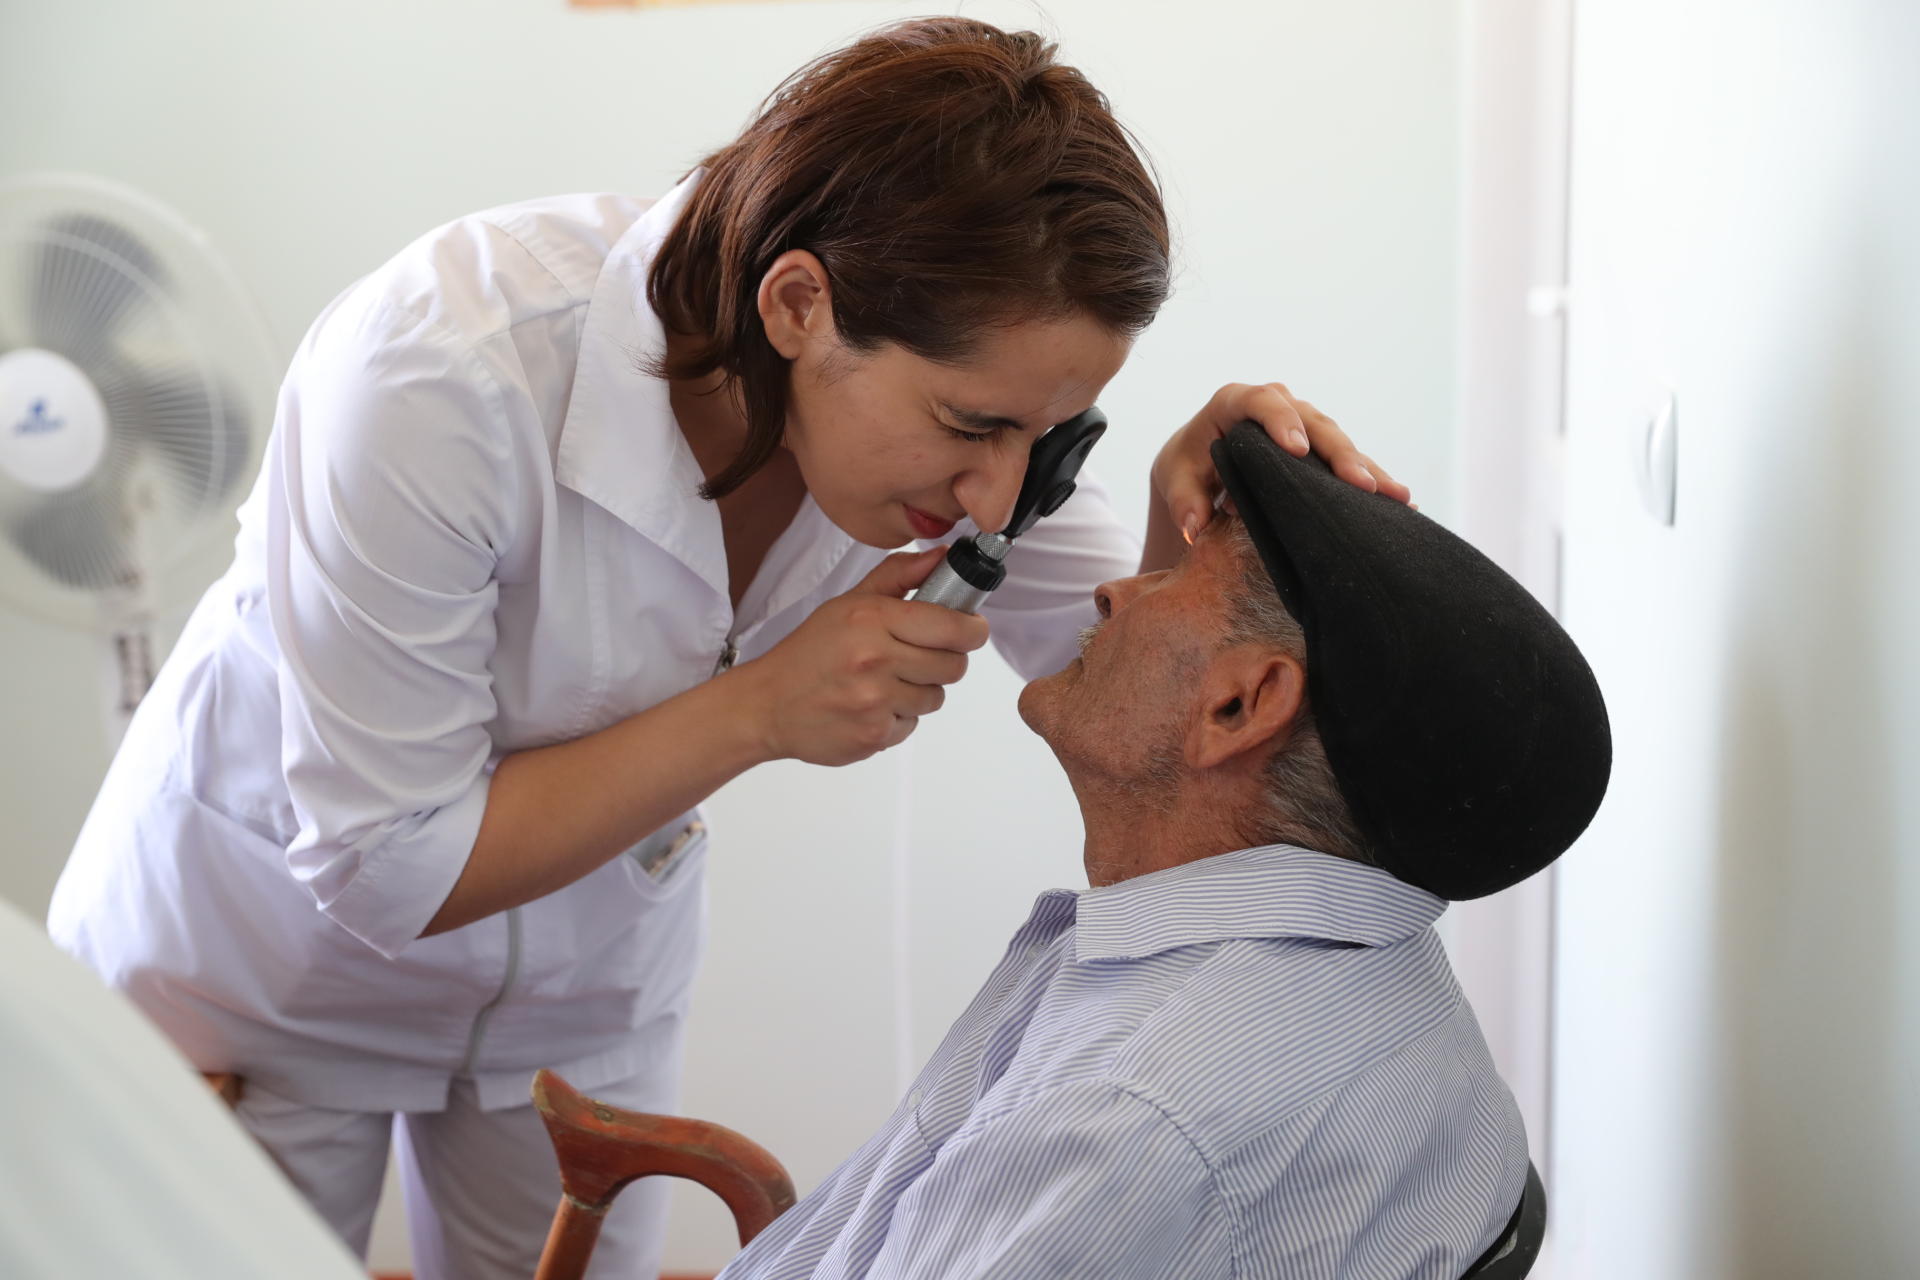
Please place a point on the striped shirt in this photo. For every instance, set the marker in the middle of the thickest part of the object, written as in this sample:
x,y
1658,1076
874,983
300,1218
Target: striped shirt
x,y
1254,1065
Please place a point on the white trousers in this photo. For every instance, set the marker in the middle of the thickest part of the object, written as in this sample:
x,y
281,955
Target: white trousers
x,y
481,1186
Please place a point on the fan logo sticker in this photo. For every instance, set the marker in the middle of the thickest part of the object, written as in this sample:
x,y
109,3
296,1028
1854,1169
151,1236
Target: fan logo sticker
x,y
53,423
38,422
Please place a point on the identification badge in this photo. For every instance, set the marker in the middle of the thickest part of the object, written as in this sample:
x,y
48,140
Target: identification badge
x,y
660,854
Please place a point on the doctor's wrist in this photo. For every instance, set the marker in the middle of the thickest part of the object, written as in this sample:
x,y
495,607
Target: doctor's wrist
x,y
741,712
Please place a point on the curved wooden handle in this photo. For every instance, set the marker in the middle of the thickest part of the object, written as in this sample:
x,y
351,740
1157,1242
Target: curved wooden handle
x,y
602,1148
226,1084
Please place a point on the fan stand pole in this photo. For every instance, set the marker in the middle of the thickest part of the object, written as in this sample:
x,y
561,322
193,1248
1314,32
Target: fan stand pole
x,y
129,657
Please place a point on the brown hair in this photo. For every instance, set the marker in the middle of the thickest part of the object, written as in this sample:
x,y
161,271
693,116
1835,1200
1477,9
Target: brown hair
x,y
949,176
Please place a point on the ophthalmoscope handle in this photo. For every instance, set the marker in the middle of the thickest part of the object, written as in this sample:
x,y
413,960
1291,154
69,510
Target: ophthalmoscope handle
x,y
972,569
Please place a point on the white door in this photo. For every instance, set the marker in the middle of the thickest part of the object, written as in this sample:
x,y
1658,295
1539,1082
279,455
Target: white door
x,y
1737,1000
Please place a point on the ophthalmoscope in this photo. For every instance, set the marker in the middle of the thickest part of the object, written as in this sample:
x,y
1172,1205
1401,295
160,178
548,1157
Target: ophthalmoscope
x,y
975,565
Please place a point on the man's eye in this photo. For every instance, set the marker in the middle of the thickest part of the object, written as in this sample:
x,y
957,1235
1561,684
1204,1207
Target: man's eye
x,y
975,436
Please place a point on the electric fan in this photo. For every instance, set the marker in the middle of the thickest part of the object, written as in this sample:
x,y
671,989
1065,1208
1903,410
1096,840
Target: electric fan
x,y
136,386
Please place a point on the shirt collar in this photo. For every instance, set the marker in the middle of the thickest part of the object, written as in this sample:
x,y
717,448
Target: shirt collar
x,y
1274,891
620,445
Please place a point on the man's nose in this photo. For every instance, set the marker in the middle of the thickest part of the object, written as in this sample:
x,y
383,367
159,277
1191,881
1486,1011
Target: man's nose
x,y
1111,597
987,493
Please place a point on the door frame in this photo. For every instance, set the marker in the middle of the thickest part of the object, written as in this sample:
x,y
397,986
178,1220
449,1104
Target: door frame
x,y
1515,108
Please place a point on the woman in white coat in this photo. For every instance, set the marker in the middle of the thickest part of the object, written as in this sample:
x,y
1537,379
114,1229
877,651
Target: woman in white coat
x,y
572,512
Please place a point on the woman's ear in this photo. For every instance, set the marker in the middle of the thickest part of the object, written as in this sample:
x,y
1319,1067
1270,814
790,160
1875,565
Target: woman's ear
x,y
1250,699
796,302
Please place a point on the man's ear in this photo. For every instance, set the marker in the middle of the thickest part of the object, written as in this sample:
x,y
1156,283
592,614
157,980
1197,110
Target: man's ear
x,y
1250,698
796,302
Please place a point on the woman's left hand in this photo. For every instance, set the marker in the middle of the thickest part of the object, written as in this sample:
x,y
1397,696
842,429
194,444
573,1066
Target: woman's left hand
x,y
1183,474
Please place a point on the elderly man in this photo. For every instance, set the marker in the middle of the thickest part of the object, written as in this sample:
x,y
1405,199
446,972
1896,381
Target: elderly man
x,y
1241,1052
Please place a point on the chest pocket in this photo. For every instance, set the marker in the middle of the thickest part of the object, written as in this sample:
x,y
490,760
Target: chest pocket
x,y
663,856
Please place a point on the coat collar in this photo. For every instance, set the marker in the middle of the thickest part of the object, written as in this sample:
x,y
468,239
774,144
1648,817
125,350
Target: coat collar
x,y
1275,891
620,445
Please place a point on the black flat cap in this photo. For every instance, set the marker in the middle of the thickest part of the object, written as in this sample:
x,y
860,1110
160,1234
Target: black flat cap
x,y
1463,727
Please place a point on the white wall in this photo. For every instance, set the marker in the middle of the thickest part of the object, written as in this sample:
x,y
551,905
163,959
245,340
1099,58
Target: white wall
x,y
1738,1004
1309,153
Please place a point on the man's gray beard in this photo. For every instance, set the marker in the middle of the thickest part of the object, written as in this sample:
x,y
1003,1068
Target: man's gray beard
x,y
1158,785
1155,788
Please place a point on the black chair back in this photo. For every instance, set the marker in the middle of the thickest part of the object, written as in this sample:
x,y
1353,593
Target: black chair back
x,y
1512,1255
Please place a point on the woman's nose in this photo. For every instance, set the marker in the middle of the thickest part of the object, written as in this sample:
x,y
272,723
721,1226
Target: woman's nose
x,y
988,492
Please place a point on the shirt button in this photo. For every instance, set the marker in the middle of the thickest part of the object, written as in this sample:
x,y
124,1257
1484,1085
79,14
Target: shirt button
x,y
913,1100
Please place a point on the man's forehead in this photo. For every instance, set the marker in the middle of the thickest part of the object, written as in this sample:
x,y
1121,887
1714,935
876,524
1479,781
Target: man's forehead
x,y
1213,566
1221,535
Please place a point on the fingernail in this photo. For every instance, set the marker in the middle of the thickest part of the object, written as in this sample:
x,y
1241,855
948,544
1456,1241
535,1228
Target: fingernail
x,y
1371,478
1299,439
1189,527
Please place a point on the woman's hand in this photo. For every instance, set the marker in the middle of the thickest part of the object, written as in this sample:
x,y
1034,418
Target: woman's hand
x,y
857,675
1183,474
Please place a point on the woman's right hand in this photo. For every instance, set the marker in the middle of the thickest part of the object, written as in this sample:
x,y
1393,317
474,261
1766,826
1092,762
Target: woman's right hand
x,y
857,675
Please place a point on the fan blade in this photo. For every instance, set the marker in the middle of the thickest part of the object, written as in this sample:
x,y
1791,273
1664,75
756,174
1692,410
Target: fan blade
x,y
234,439
201,437
88,276
78,539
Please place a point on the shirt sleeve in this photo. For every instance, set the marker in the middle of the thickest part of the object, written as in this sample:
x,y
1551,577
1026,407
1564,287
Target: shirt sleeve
x,y
1047,598
1086,1181
392,497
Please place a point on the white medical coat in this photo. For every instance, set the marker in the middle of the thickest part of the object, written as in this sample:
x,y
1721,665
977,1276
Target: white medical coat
x,y
475,531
